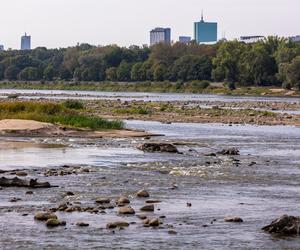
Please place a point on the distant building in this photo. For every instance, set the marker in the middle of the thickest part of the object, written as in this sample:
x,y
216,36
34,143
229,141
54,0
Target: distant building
x,y
251,39
25,42
295,39
1,47
205,32
185,39
160,35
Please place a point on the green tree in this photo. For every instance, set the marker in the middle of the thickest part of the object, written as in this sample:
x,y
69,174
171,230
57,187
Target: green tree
x,y
293,73
111,74
11,73
159,72
49,73
124,71
138,72
29,74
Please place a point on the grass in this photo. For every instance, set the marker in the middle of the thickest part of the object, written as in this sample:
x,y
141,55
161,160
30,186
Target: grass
x,y
65,113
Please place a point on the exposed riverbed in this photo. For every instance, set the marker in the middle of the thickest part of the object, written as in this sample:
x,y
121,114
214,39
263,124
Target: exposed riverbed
x,y
259,185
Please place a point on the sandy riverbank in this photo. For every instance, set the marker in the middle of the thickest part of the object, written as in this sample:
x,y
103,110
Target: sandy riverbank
x,y
28,128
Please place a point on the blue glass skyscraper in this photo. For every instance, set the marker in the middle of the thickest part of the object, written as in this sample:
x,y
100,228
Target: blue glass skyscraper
x,y
205,32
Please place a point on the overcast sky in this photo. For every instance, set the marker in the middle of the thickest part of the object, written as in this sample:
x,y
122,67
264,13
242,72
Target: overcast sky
x,y
63,23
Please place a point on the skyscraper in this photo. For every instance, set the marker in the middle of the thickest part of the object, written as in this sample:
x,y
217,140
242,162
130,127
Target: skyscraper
x,y
160,35
25,42
205,32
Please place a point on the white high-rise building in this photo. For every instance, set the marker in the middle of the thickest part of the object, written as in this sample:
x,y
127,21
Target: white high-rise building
x,y
160,35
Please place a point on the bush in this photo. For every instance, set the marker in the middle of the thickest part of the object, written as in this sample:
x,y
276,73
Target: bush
x,y
73,104
200,84
230,85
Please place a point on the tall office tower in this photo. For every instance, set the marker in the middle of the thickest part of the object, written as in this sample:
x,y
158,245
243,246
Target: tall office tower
x,y
160,35
205,32
25,42
1,47
185,39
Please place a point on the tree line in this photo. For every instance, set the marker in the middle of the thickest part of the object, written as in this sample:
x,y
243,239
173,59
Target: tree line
x,y
271,62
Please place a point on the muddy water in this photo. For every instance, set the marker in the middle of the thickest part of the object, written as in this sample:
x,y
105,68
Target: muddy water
x,y
216,186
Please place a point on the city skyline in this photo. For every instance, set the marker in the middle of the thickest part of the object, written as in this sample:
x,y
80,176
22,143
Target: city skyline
x,y
65,23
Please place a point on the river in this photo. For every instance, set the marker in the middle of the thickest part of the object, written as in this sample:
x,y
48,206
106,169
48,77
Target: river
x,y
261,187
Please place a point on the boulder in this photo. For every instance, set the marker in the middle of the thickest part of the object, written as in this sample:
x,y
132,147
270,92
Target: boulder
x,y
154,223
120,224
103,200
44,216
82,224
158,147
147,208
142,194
122,201
285,225
126,210
233,219
55,223
229,151
21,173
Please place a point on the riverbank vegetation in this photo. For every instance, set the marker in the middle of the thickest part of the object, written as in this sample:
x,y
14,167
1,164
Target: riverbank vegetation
x,y
272,62
69,113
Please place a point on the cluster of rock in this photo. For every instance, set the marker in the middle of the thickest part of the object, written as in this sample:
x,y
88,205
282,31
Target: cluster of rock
x,y
152,147
285,225
66,170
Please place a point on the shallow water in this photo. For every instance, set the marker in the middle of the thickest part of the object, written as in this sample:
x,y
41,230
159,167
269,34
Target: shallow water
x,y
129,96
258,193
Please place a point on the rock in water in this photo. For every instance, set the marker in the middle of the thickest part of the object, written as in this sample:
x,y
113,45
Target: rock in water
x,y
229,151
44,216
233,219
142,194
122,201
55,223
126,210
82,224
120,224
147,208
285,225
103,200
158,147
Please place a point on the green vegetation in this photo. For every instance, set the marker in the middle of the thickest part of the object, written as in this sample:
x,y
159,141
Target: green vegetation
x,y
58,113
272,62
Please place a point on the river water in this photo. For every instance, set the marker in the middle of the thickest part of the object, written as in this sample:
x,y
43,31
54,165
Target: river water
x,y
216,186
129,96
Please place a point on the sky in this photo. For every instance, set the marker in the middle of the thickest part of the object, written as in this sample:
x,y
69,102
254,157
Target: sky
x,y
64,23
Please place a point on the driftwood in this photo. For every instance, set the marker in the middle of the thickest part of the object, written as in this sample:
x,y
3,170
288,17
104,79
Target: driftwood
x,y
17,182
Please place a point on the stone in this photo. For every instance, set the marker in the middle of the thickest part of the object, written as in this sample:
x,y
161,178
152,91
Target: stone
x,y
158,147
142,216
153,201
103,200
120,224
154,223
15,199
147,208
82,224
143,194
55,223
62,207
229,151
123,201
172,232
21,173
233,219
44,216
285,225
29,192
126,210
